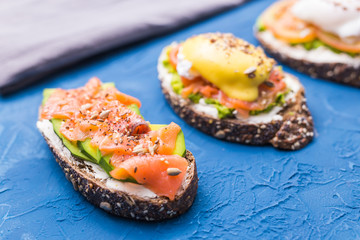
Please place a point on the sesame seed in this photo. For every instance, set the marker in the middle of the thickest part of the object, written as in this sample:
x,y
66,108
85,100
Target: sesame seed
x,y
250,70
104,114
173,171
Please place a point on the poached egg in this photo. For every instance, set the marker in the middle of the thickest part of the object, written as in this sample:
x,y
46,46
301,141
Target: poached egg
x,y
232,64
340,17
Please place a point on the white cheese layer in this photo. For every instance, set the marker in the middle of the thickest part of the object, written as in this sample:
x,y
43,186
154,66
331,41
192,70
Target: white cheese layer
x,y
341,17
184,66
318,55
206,108
211,111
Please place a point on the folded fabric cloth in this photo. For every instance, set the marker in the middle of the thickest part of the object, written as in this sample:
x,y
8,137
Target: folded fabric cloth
x,y
39,37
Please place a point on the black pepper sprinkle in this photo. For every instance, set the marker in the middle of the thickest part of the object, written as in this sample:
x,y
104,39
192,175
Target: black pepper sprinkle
x,y
135,169
269,84
251,75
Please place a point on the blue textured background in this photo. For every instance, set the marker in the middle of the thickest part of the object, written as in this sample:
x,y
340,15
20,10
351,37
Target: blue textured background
x,y
244,192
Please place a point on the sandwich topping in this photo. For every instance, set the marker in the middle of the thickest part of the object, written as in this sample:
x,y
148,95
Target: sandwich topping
x,y
332,24
344,21
226,72
104,126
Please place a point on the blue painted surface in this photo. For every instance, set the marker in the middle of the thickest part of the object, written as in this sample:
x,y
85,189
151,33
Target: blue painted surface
x,y
244,192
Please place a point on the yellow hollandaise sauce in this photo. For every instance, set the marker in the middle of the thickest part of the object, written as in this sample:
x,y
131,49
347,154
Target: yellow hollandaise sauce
x,y
232,64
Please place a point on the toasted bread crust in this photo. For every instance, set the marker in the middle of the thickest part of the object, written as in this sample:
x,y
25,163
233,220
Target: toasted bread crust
x,y
336,72
124,204
293,132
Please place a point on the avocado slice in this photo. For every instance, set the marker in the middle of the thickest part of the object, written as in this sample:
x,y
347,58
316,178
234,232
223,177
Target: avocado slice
x,y
180,148
108,84
135,108
73,148
90,151
46,94
105,163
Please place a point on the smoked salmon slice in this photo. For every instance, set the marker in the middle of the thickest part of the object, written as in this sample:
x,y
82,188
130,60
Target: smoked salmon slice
x,y
163,174
166,137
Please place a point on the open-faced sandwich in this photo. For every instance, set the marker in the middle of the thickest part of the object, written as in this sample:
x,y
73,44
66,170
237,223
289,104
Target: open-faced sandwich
x,y
317,37
230,89
113,157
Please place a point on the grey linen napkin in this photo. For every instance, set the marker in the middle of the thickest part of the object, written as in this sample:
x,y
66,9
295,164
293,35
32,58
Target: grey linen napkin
x,y
38,37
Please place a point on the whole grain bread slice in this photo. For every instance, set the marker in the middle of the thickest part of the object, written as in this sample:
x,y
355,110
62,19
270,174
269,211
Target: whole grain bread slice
x,y
123,199
292,130
344,73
